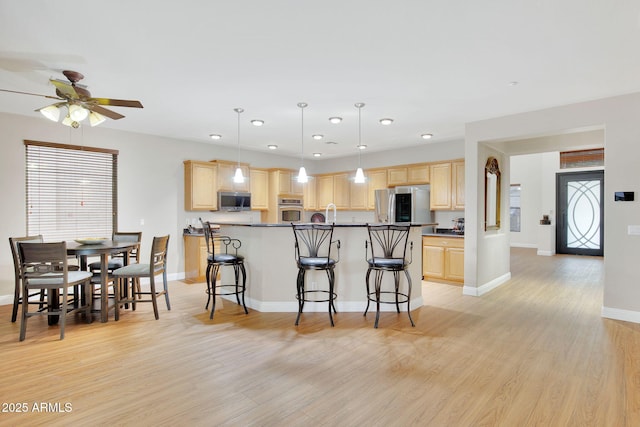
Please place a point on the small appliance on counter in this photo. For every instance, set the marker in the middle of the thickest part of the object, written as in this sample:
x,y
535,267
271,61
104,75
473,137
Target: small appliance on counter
x,y
458,225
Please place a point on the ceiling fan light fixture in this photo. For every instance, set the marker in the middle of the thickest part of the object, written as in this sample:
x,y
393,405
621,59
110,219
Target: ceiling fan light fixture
x,y
96,118
77,112
52,112
68,121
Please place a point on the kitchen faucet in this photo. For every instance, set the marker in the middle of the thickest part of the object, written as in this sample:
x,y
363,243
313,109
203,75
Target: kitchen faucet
x,y
326,212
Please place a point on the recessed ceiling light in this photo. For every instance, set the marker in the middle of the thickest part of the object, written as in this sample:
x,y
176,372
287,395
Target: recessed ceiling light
x,y
272,147
513,83
317,136
317,154
335,119
215,136
361,147
426,136
257,122
331,143
386,122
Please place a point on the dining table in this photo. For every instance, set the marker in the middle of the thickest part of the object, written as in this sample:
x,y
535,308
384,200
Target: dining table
x,y
104,249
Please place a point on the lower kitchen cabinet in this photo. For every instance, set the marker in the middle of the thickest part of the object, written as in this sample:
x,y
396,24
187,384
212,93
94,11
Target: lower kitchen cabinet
x,y
443,258
195,258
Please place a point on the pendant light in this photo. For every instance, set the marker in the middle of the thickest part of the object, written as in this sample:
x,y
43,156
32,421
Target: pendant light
x,y
238,178
302,174
360,179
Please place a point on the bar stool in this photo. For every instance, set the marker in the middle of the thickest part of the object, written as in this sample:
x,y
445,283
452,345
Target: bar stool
x,y
313,252
388,245
215,260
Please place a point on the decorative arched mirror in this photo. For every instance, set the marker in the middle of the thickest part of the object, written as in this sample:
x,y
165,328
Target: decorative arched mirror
x,y
492,194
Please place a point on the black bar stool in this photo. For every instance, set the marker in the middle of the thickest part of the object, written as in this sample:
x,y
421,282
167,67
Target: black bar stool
x,y
313,252
388,245
223,251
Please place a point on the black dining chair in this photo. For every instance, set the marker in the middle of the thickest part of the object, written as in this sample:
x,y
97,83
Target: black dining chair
x,y
44,266
313,244
387,245
157,266
223,251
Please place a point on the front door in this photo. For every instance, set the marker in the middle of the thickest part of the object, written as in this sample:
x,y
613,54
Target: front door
x,y
580,213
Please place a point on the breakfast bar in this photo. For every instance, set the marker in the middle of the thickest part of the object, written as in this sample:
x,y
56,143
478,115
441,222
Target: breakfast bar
x,y
271,267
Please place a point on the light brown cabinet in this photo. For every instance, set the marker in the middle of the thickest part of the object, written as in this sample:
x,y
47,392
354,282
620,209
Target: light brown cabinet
x,y
457,185
310,200
226,171
195,258
324,190
408,175
341,191
200,186
447,186
358,196
443,258
285,182
376,180
259,189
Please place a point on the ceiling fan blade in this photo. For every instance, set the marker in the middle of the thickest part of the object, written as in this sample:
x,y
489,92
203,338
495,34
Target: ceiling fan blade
x,y
65,89
117,102
108,113
29,93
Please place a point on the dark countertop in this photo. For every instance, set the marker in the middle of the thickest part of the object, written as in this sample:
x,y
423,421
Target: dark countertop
x,y
445,234
340,224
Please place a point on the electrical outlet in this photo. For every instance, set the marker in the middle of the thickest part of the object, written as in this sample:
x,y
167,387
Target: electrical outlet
x,y
633,230
141,221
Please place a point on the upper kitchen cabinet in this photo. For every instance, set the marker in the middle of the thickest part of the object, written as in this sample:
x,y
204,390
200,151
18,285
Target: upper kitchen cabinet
x,y
324,190
408,175
259,189
447,185
200,186
376,180
284,182
358,195
341,191
226,171
458,185
310,200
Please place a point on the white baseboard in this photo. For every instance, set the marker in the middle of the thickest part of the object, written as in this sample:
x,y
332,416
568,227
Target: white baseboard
x,y
524,245
619,314
481,290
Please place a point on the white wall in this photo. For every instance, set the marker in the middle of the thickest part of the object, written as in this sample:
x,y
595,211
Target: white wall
x,y
537,175
151,182
618,116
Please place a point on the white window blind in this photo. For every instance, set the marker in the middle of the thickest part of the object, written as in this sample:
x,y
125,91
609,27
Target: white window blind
x,y
71,191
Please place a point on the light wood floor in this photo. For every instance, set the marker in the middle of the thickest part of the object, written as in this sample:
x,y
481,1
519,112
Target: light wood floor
x,y
534,351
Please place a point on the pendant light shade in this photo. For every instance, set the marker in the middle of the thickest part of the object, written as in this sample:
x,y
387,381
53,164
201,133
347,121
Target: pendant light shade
x,y
77,112
360,178
302,174
52,112
95,118
238,178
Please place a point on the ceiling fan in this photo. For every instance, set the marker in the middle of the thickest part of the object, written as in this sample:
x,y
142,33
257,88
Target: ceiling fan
x,y
79,102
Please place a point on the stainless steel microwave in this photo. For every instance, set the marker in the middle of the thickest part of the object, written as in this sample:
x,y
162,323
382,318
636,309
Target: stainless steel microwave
x,y
234,201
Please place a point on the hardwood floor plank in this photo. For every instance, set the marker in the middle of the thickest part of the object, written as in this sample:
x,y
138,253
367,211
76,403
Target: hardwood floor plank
x,y
534,351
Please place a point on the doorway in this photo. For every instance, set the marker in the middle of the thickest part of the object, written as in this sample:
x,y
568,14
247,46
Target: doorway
x,y
580,213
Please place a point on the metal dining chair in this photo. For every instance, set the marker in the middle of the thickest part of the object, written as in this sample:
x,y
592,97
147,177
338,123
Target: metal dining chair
x,y
44,267
157,266
313,252
223,251
388,247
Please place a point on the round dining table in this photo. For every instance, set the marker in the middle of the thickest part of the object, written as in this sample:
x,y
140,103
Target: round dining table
x,y
104,249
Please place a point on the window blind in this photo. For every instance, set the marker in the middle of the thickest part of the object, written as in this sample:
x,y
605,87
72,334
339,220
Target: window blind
x,y
71,191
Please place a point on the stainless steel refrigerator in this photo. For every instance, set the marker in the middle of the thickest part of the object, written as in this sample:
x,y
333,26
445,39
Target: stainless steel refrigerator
x,y
404,204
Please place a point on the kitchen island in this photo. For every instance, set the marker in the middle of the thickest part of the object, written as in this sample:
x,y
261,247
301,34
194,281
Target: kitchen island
x,y
269,253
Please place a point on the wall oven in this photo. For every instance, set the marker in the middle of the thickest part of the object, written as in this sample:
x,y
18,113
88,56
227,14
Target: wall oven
x,y
290,209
